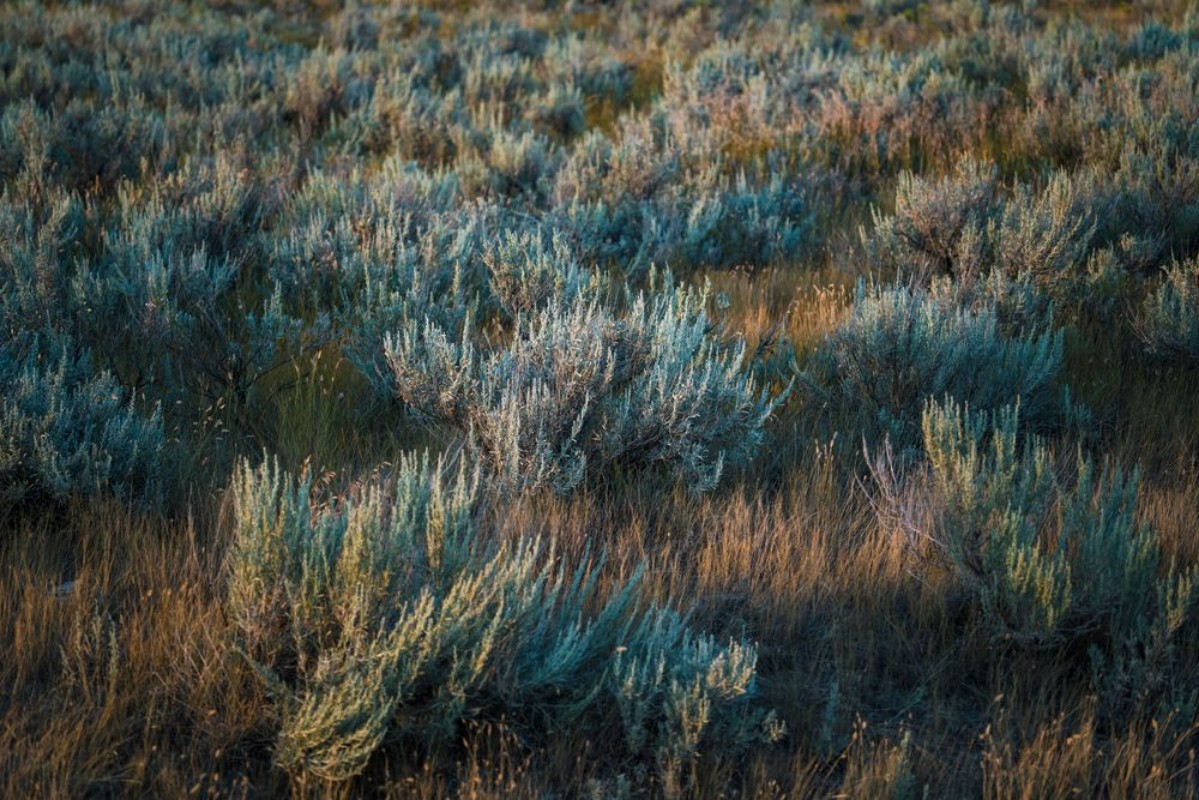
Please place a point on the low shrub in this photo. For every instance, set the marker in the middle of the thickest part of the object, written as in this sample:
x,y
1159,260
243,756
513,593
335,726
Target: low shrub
x,y
900,346
388,617
67,430
938,226
1054,558
527,271
1168,322
964,226
581,389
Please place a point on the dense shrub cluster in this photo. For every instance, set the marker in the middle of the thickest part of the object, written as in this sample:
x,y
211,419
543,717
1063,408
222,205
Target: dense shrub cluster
x,y
1169,321
66,429
341,232
1053,557
388,617
580,389
285,196
901,346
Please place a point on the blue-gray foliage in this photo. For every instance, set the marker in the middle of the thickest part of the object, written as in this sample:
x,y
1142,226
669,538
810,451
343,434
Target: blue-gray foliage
x,y
902,345
581,389
67,430
1168,323
390,618
1053,556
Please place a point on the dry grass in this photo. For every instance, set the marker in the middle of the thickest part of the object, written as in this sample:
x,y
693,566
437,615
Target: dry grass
x,y
119,679
118,675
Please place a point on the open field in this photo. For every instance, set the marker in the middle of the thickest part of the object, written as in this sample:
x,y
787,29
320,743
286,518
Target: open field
x,y
659,398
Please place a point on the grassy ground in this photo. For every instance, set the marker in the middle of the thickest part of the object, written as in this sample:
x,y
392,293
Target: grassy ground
x,y
121,681
120,674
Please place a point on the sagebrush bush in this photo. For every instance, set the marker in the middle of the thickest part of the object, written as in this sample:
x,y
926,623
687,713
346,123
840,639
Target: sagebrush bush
x,y
631,202
965,226
739,225
938,227
527,272
68,430
1019,305
1046,234
389,617
1051,560
39,241
377,273
1168,322
900,346
201,336
581,389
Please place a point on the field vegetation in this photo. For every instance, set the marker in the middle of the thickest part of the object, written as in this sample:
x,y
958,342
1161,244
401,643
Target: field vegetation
x,y
659,398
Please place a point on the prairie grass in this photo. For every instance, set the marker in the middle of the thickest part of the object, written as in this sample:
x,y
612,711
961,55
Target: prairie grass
x,y
333,237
